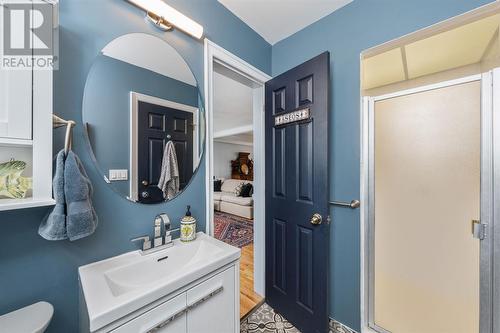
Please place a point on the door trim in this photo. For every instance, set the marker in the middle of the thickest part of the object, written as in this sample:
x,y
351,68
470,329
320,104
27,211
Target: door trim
x,y
493,90
217,54
135,98
489,114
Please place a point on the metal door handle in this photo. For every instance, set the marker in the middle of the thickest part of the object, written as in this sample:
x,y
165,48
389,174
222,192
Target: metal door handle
x,y
353,204
145,183
478,229
316,219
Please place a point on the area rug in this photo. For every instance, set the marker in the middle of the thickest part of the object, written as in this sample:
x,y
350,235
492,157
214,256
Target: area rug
x,y
232,229
266,320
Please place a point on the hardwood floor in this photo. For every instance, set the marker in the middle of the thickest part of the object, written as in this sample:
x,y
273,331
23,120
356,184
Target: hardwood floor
x,y
248,298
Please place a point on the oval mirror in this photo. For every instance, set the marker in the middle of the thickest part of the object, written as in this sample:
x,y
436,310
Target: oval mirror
x,y
144,118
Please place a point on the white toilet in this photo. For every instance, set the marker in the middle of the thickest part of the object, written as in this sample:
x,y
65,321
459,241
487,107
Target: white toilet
x,y
31,319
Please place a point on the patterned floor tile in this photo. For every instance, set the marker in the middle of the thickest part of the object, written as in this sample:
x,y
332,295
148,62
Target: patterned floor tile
x,y
265,320
336,327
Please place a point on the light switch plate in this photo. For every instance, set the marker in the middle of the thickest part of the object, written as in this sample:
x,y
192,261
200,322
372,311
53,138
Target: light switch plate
x,y
118,174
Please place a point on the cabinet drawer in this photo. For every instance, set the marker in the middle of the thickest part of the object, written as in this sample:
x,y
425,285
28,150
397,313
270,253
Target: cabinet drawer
x,y
169,317
212,305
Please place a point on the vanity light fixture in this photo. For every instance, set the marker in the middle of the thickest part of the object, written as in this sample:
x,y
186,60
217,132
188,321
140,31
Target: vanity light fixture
x,y
165,17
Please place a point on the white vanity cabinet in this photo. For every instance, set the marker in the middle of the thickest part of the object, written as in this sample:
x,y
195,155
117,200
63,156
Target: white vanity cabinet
x,y
189,287
169,317
212,305
207,307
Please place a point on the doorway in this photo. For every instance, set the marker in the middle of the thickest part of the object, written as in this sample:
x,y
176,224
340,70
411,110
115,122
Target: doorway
x,y
234,157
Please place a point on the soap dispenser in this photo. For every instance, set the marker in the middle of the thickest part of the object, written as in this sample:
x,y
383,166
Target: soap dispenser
x,y
188,227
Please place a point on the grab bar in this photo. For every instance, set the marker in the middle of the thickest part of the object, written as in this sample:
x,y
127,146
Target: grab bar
x,y
353,204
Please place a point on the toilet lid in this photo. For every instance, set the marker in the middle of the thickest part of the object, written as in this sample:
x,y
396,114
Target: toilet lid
x,y
31,319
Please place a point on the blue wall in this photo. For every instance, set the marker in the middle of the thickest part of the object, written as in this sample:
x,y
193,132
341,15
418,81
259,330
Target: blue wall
x,y
106,107
346,33
33,269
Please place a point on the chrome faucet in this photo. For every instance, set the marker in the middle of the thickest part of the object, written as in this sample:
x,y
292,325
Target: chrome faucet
x,y
160,242
165,220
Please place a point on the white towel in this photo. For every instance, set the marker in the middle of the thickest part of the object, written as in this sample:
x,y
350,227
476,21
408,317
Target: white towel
x,y
169,179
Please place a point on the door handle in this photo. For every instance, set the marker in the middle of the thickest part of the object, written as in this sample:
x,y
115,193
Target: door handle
x,y
145,183
478,229
316,219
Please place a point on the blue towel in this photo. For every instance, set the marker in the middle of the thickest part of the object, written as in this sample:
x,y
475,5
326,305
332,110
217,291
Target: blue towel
x,y
73,216
53,226
81,219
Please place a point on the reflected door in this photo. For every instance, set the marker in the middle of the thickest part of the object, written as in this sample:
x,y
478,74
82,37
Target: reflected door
x,y
427,169
157,125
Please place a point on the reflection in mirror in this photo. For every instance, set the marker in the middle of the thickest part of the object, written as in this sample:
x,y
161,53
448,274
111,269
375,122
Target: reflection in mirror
x,y
144,118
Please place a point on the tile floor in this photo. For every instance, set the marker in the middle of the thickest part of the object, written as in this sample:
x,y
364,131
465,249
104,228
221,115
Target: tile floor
x,y
266,320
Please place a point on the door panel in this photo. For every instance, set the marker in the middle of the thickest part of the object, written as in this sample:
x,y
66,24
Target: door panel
x,y
297,188
156,126
279,167
304,153
279,255
427,190
305,267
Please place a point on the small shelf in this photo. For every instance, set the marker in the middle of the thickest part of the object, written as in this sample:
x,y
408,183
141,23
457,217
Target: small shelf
x,y
9,204
6,142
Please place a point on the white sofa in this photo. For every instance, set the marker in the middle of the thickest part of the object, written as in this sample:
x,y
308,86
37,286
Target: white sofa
x,y
226,201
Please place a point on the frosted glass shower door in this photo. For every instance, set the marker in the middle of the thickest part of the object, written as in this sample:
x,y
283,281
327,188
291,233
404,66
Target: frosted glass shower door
x,y
427,170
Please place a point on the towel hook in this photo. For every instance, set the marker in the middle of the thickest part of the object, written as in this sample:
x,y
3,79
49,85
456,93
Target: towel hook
x,y
68,140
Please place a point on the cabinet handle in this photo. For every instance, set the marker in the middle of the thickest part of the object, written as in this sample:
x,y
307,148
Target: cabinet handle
x,y
204,299
168,321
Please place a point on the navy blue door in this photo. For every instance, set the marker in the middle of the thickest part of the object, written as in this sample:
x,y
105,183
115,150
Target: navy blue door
x,y
156,126
297,228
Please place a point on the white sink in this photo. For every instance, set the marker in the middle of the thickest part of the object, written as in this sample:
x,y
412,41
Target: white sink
x,y
118,286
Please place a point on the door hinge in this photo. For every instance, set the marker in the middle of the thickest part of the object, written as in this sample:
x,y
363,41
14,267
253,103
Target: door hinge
x,y
478,229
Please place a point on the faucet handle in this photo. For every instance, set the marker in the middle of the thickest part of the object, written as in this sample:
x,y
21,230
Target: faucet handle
x,y
163,218
146,245
168,235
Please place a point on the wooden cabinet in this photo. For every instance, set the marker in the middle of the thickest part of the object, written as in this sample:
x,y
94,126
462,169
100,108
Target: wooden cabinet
x,y
242,167
207,306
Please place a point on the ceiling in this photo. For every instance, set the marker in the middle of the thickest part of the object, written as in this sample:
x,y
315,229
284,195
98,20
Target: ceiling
x,y
162,58
275,20
466,45
233,106
245,139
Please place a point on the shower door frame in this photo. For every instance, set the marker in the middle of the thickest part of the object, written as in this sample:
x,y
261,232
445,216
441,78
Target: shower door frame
x,y
490,180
